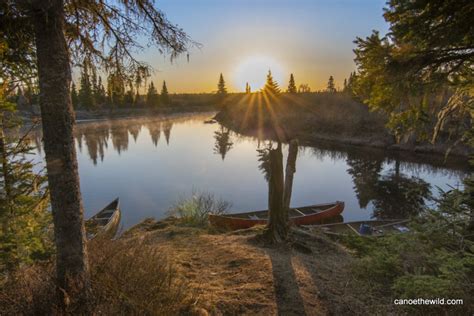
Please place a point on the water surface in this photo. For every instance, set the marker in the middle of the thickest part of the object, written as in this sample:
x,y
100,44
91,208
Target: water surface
x,y
152,163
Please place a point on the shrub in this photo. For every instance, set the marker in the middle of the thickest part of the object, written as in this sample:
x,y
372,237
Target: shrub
x,y
127,278
194,211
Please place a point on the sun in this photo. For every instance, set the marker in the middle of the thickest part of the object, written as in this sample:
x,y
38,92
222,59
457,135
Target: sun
x,y
254,70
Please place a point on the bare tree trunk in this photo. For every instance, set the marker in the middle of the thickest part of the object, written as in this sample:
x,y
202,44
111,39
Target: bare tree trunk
x,y
290,171
58,123
277,229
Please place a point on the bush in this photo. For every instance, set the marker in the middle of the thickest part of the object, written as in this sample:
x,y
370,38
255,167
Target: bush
x,y
195,211
434,261
127,278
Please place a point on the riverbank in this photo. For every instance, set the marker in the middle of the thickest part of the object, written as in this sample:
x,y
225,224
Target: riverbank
x,y
114,113
233,273
167,267
324,118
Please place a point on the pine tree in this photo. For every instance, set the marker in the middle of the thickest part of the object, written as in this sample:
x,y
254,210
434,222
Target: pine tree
x,y
86,99
165,98
221,89
152,98
74,96
271,87
331,88
292,85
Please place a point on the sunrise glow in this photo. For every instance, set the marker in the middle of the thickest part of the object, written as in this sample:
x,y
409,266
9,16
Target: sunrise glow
x,y
254,70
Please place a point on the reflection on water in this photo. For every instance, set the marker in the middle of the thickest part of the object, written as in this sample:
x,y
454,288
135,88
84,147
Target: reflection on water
x,y
149,169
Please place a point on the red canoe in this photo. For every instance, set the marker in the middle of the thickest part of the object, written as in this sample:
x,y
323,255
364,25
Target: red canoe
x,y
305,215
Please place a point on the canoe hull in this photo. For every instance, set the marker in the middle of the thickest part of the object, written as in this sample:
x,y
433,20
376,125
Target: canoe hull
x,y
234,223
105,223
378,227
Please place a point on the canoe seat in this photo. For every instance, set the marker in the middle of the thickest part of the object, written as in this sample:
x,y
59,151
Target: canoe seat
x,y
299,212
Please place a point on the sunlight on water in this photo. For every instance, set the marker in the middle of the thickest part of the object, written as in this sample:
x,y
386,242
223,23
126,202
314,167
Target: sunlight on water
x,y
151,163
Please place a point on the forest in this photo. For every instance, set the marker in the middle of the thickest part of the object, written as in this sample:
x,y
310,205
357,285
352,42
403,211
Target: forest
x,y
411,93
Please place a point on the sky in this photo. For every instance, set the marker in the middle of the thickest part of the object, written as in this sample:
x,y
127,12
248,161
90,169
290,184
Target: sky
x,y
242,39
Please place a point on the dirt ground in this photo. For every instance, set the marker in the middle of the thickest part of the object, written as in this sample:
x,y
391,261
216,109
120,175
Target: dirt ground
x,y
236,274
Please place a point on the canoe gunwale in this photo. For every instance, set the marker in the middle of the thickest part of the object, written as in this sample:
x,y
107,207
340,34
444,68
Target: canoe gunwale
x,y
112,220
232,222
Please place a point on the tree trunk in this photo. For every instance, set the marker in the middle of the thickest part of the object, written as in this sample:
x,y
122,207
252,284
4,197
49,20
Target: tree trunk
x,y
58,123
277,229
290,171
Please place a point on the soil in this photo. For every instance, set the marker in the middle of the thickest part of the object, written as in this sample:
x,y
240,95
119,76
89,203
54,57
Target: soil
x,y
236,273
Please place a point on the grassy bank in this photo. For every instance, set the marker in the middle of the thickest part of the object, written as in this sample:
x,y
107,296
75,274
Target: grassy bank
x,y
320,117
183,267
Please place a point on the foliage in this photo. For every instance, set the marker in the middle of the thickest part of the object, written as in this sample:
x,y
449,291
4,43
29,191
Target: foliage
x,y
271,87
304,88
86,98
291,85
195,211
434,260
416,73
24,216
221,88
74,96
127,277
165,98
248,89
331,86
152,98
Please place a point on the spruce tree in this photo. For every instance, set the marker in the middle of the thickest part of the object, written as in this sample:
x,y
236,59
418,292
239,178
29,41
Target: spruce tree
x,y
271,87
24,217
221,89
152,98
165,98
74,96
115,89
86,99
292,85
128,98
331,87
100,97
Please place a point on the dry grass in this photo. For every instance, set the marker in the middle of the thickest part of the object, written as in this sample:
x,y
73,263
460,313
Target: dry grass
x,y
235,274
127,278
303,115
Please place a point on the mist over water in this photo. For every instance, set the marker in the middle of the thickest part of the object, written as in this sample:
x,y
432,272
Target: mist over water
x,y
151,163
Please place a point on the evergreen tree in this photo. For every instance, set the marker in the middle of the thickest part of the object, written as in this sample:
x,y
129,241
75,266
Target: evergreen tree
x,y
24,215
100,95
271,87
221,89
86,99
152,98
292,85
165,98
74,96
115,89
128,98
136,100
331,87
349,84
